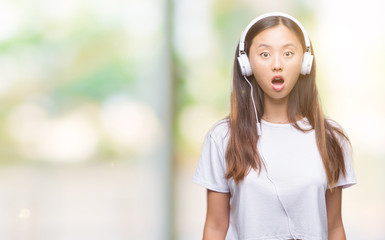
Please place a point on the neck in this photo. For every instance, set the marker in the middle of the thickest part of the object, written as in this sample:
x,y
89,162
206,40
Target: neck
x,y
275,110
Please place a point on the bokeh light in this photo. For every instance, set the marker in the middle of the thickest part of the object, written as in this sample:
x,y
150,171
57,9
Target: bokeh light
x,y
105,106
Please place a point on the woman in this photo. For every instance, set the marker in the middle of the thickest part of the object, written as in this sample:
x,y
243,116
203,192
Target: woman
x,y
276,166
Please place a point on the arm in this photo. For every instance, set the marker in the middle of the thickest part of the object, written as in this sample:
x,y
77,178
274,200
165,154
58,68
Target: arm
x,y
217,218
333,206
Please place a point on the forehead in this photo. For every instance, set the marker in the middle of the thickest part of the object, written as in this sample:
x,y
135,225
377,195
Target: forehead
x,y
276,36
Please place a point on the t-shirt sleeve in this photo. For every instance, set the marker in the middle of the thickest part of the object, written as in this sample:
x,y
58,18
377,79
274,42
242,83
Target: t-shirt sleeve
x,y
211,168
350,178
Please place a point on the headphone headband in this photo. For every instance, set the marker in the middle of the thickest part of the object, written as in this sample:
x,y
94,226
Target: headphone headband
x,y
271,14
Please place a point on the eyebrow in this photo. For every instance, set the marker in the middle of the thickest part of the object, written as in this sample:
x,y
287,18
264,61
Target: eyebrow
x,y
284,46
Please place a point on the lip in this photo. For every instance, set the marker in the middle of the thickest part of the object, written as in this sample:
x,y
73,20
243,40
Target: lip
x,y
278,87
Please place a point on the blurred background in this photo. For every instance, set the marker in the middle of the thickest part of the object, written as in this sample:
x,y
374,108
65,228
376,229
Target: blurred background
x,y
105,105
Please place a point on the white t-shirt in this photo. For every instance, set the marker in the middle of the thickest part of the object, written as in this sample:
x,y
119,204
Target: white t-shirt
x,y
296,172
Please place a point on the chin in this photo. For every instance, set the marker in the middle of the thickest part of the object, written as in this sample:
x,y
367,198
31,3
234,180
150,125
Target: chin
x,y
278,95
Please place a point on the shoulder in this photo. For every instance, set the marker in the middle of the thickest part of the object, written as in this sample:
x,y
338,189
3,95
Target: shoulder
x,y
336,127
334,123
338,131
220,130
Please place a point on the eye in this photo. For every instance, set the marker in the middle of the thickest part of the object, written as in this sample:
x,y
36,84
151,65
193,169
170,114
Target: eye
x,y
265,54
288,54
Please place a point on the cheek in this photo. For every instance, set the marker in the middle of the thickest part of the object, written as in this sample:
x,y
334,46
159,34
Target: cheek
x,y
259,67
296,68
299,63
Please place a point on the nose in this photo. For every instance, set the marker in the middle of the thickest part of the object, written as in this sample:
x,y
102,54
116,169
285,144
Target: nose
x,y
276,63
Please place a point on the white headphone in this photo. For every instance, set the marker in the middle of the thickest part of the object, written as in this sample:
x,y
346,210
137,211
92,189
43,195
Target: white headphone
x,y
243,60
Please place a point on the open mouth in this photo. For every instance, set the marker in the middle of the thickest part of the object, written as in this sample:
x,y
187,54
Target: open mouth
x,y
278,83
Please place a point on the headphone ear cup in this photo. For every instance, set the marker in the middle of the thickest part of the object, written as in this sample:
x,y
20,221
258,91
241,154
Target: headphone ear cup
x,y
306,63
244,64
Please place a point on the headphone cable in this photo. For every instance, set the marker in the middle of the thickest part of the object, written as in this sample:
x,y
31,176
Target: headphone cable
x,y
276,191
263,157
255,109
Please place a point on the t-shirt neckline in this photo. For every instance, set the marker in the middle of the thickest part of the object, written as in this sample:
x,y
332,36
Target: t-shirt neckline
x,y
281,124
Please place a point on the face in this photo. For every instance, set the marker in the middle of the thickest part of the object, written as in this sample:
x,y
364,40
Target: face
x,y
276,57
